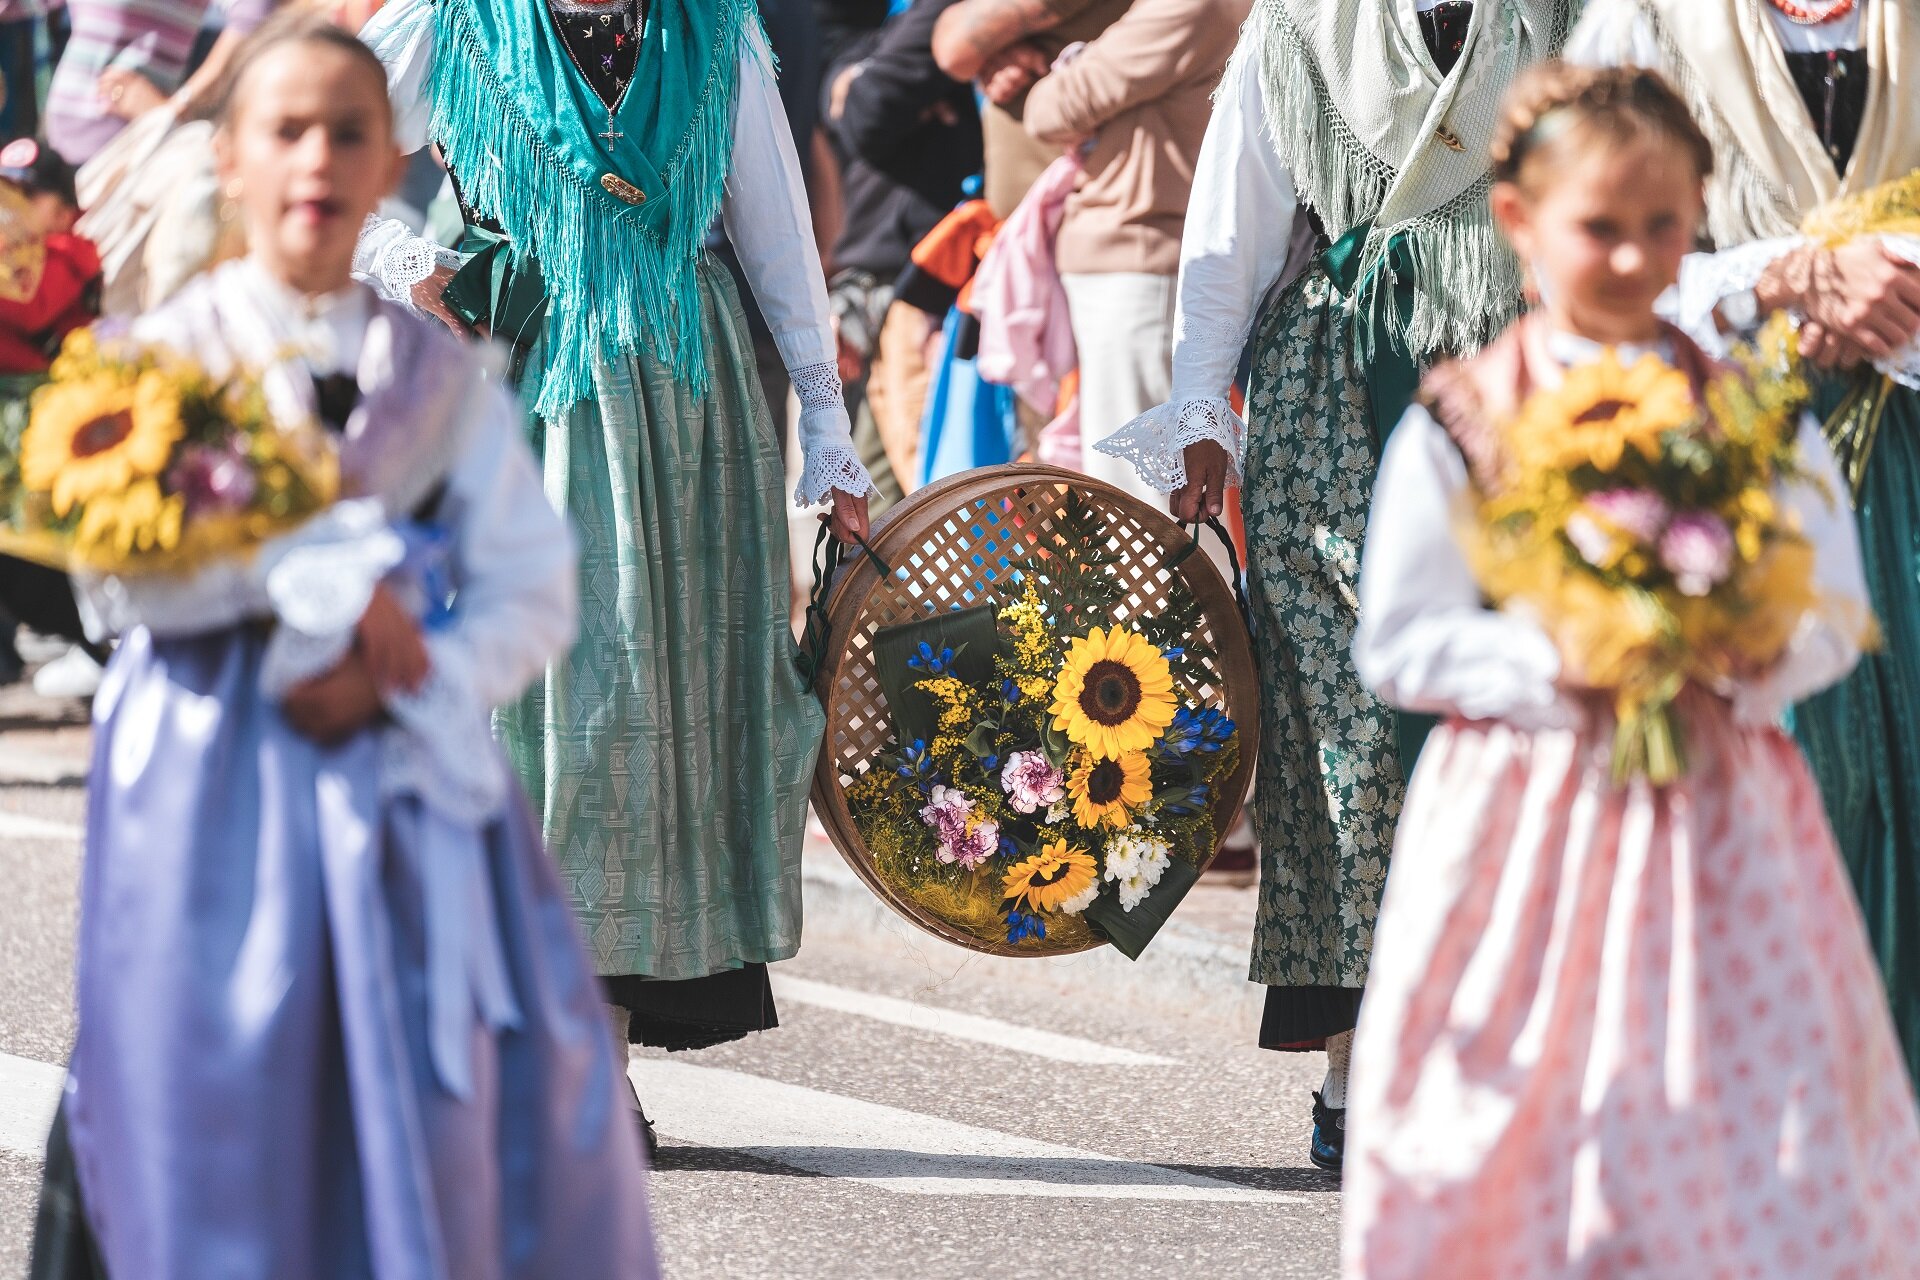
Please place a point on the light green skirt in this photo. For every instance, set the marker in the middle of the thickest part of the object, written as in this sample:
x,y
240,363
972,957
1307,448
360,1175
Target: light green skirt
x,y
669,753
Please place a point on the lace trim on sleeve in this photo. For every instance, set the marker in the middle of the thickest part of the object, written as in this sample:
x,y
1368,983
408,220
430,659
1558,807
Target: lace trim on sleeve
x,y
817,386
1708,279
1156,441
1903,366
1214,334
826,437
393,260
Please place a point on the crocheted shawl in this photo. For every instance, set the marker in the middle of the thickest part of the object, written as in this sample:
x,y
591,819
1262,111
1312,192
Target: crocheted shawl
x,y
1375,136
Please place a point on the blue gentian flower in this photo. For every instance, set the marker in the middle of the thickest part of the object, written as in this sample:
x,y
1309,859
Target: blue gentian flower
x,y
1021,926
934,664
1009,692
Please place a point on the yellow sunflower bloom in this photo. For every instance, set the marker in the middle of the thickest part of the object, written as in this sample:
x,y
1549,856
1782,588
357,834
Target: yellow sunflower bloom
x,y
1600,411
1114,694
96,436
1057,874
1109,791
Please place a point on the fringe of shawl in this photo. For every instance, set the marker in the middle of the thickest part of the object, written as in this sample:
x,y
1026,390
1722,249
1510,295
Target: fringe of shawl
x,y
1742,204
612,284
1466,281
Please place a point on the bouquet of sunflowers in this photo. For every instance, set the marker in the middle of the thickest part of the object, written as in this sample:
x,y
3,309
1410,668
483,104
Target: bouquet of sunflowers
x,y
132,460
1639,526
1058,787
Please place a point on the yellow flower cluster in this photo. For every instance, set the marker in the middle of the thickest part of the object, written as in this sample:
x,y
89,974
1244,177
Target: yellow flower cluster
x,y
1600,411
1035,653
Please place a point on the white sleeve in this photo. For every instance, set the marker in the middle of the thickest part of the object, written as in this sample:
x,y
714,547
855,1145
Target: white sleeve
x,y
1426,640
766,218
390,259
514,605
1827,645
401,36
1238,233
1707,279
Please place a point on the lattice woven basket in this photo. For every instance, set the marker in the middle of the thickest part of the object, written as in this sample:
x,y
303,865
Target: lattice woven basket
x,y
946,545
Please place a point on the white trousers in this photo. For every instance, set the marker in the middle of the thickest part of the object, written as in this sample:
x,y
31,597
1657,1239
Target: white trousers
x,y
1123,326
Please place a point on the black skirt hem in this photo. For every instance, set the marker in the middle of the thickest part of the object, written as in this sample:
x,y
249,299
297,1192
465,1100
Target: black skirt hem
x,y
1298,1019
680,1015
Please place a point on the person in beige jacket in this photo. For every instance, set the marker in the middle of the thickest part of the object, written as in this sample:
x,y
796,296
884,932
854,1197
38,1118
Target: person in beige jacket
x,y
1136,100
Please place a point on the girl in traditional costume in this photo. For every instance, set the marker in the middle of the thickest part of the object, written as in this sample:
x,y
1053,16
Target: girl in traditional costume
x,y
1799,213
594,142
1612,1029
1344,177
335,1018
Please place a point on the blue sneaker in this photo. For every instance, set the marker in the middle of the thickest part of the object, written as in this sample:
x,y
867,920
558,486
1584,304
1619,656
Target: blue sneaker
x,y
1329,1147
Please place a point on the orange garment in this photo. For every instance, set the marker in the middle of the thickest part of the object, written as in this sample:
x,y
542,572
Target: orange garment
x,y
946,258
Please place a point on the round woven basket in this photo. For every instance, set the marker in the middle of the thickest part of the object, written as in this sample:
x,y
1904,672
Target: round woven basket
x,y
948,545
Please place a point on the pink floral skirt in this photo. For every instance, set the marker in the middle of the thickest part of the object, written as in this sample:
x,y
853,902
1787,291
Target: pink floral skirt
x,y
1615,1033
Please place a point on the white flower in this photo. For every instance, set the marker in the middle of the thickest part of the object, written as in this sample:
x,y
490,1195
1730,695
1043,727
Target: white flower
x,y
1133,891
1081,901
1059,813
1134,853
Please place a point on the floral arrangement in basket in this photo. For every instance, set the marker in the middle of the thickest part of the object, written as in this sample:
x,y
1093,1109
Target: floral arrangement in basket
x,y
1639,525
1061,788
133,460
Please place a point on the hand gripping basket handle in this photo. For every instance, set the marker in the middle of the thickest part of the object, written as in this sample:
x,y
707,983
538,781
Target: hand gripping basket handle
x,y
1233,563
827,554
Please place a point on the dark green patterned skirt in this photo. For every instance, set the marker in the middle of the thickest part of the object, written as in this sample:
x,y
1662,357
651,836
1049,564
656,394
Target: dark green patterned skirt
x,y
1862,737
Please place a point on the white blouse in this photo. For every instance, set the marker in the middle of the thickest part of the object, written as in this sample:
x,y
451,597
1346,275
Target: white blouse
x,y
1427,642
765,212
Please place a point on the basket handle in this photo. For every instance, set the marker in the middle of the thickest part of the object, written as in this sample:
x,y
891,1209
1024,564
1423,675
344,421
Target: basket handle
x,y
1233,563
827,555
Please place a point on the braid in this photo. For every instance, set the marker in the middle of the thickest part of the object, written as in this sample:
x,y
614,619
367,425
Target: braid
x,y
1613,105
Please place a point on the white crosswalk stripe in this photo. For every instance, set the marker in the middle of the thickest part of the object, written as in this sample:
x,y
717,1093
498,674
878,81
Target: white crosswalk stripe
x,y
898,1150
960,1026
29,1095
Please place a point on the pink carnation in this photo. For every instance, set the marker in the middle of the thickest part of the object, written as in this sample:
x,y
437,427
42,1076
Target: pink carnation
x,y
1031,783
947,812
1697,550
1638,513
971,848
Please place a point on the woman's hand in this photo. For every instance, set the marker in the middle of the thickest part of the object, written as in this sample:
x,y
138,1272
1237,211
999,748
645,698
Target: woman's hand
x,y
1861,301
128,94
848,519
1203,496
388,642
333,707
429,296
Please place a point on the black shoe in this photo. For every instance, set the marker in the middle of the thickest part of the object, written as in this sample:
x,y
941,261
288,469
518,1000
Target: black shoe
x,y
1329,1147
648,1138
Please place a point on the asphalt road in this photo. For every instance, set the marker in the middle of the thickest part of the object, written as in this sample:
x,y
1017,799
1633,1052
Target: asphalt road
x,y
920,1113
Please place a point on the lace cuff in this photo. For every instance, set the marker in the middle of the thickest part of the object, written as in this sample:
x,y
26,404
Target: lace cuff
x,y
1903,366
1156,441
440,748
826,438
392,259
1707,279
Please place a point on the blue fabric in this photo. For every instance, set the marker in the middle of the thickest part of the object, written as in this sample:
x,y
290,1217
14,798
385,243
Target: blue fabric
x,y
968,422
263,970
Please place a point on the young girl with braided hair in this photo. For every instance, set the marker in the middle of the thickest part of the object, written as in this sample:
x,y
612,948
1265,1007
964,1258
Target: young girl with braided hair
x,y
1611,1029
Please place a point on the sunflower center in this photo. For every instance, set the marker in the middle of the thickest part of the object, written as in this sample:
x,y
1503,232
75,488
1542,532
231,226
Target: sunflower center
x,y
1049,874
1599,411
102,434
1110,694
1104,782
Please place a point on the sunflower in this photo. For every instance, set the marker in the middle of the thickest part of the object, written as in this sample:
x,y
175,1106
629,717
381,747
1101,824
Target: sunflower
x,y
1110,790
97,435
1600,410
138,519
1055,875
1115,693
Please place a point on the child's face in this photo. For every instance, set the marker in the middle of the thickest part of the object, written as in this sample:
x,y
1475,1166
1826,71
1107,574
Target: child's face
x,y
308,153
1604,236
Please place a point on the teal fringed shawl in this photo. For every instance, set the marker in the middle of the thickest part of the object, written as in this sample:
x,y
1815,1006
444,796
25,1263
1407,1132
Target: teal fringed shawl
x,y
523,131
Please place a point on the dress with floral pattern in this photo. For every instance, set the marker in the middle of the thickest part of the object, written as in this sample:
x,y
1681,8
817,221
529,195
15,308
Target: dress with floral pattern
x,y
1329,782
